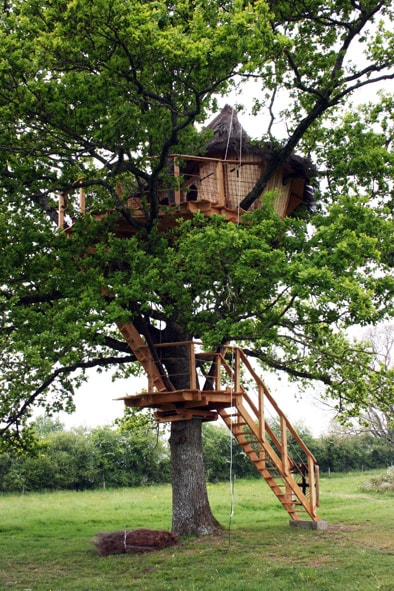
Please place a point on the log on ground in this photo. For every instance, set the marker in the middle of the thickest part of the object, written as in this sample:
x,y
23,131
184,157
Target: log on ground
x,y
137,540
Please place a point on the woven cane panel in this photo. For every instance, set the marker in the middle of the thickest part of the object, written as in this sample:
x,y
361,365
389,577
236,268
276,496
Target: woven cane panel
x,y
208,184
281,201
240,180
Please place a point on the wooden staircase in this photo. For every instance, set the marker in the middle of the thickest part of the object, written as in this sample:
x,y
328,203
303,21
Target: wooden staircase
x,y
237,394
279,455
292,493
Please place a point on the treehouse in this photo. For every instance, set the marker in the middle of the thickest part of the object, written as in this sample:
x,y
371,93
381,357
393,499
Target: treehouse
x,y
231,166
223,384
216,181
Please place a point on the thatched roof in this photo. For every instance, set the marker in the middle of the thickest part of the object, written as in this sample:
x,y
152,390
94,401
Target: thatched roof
x,y
229,135
231,138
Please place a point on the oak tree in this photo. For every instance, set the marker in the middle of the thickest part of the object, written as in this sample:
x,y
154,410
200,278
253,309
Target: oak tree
x,y
96,96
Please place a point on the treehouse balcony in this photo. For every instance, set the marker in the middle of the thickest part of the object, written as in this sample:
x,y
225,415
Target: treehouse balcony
x,y
214,182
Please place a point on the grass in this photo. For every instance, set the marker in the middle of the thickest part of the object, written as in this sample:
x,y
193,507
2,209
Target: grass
x,y
46,542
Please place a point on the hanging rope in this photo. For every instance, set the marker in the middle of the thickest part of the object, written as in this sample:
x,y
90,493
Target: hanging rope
x,y
239,176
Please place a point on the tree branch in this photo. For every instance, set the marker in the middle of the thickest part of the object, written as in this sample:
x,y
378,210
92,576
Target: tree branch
x,y
29,402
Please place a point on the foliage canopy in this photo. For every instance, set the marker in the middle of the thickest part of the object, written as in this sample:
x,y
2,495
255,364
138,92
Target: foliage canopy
x,y
97,95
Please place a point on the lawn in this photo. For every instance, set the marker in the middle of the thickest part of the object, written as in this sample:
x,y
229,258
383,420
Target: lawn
x,y
46,542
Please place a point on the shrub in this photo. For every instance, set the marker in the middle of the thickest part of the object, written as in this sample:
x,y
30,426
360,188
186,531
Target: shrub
x,y
381,484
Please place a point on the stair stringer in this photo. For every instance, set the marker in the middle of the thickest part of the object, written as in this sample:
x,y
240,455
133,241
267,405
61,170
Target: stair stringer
x,y
267,462
143,354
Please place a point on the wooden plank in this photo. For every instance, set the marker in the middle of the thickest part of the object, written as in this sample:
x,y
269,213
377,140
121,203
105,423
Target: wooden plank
x,y
142,353
283,437
220,184
62,206
181,415
177,193
185,157
192,367
198,398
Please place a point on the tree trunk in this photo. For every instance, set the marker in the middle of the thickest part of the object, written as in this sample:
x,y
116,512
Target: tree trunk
x,y
191,512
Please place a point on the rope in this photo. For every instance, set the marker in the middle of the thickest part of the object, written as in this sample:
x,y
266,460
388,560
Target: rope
x,y
240,172
229,134
240,161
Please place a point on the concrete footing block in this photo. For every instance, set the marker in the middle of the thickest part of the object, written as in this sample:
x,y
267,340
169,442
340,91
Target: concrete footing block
x,y
318,525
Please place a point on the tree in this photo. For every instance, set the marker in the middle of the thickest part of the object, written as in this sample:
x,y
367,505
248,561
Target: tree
x,y
126,457
378,419
344,451
95,96
81,459
45,425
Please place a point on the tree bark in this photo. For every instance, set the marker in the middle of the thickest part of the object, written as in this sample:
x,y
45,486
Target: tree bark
x,y
191,512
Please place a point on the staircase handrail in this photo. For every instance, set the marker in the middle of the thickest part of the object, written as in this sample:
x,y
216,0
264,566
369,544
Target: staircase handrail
x,y
258,413
273,402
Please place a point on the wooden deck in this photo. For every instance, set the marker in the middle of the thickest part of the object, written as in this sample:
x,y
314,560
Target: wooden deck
x,y
180,405
168,215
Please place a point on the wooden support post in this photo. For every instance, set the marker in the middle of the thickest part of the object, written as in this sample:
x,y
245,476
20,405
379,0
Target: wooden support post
x,y
192,365
317,484
218,369
62,205
177,181
237,374
285,451
312,484
261,413
220,184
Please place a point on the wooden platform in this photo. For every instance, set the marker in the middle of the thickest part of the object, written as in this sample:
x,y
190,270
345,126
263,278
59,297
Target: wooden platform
x,y
182,405
168,216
